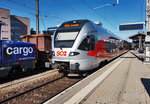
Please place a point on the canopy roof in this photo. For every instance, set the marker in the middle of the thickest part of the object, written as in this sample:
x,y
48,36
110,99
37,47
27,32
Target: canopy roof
x,y
136,36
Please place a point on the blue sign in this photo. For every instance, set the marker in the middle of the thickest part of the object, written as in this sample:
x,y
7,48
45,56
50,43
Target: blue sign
x,y
137,26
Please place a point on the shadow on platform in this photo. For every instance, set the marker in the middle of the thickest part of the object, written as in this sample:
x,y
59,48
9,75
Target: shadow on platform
x,y
128,57
140,58
146,83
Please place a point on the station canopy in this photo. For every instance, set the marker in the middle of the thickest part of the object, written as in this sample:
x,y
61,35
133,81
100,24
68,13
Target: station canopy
x,y
136,37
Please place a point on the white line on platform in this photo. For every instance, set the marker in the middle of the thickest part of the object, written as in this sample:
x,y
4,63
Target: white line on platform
x,y
78,97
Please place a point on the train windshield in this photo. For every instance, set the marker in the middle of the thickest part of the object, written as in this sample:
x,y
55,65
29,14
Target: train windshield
x,y
65,39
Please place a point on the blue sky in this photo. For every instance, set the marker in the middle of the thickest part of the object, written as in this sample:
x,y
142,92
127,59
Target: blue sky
x,y
58,11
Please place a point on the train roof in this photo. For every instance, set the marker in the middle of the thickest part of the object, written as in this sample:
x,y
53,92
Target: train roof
x,y
109,33
83,21
77,21
15,42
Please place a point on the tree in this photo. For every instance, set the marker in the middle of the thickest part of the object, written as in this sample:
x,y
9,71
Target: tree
x,y
32,31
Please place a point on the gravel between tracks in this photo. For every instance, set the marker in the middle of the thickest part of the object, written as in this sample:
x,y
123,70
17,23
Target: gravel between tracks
x,y
24,84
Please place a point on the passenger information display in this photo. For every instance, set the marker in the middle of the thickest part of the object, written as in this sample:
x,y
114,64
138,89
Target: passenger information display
x,y
131,26
71,25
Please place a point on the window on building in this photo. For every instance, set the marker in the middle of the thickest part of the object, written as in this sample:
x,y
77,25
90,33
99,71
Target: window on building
x,y
5,24
15,22
5,38
4,31
4,17
15,28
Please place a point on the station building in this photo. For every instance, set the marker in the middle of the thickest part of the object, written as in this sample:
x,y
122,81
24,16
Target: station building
x,y
138,41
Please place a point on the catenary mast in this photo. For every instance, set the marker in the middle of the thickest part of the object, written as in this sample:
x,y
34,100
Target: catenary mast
x,y
37,16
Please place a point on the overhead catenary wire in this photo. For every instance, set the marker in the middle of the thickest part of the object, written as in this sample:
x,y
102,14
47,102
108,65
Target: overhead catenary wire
x,y
142,5
20,4
98,13
17,9
33,14
69,7
43,23
114,17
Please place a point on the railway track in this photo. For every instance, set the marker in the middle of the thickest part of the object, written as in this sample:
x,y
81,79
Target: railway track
x,y
27,79
41,93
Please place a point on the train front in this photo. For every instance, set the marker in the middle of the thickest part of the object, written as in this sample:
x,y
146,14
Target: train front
x,y
67,51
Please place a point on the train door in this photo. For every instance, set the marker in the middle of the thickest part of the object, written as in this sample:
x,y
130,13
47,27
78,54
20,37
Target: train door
x,y
92,41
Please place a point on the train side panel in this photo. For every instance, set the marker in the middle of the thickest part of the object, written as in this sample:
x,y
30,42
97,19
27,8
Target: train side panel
x,y
16,54
106,44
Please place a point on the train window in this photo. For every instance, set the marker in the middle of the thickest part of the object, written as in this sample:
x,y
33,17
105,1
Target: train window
x,y
88,44
66,35
92,44
65,39
84,45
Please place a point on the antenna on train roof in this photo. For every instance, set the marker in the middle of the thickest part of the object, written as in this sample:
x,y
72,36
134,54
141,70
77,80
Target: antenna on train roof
x,y
98,23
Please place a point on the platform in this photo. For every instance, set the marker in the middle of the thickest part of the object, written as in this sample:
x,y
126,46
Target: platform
x,y
123,81
129,83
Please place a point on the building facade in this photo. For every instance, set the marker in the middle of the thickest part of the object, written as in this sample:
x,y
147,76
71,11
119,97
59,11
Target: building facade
x,y
14,25
5,28
19,26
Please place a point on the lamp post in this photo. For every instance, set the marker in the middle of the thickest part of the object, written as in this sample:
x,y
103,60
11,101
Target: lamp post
x,y
147,38
108,5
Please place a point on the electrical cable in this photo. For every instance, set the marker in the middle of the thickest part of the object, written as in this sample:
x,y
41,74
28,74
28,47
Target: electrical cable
x,y
17,9
114,17
32,8
97,13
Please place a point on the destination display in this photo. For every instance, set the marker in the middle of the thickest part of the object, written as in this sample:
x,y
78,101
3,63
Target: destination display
x,y
71,25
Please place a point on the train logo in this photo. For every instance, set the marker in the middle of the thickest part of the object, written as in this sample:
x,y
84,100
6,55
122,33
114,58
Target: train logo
x,y
61,53
19,50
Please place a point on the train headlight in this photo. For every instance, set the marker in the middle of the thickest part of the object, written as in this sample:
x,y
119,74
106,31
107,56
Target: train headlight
x,y
73,53
53,53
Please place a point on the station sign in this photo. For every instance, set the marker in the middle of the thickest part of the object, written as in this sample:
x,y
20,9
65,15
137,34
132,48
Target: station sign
x,y
131,26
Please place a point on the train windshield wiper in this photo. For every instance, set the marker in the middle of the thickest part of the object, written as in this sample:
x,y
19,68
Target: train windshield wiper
x,y
61,46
